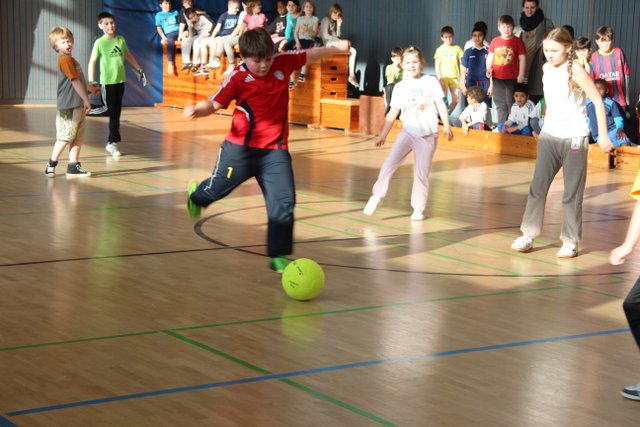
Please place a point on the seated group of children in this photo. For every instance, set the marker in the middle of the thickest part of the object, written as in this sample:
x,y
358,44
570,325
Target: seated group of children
x,y
527,119
293,28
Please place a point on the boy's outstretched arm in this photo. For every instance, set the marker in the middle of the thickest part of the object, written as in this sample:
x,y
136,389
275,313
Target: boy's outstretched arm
x,y
322,52
201,109
618,255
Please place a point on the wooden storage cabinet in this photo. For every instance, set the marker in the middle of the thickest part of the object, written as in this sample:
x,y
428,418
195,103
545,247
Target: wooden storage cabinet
x,y
340,113
326,78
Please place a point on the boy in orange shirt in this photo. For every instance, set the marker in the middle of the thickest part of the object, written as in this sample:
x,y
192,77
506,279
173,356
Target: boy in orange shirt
x,y
72,103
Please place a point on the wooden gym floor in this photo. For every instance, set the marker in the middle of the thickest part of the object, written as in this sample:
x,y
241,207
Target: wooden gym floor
x,y
116,309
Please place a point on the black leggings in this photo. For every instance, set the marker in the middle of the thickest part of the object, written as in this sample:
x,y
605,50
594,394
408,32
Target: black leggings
x,y
272,169
631,306
114,95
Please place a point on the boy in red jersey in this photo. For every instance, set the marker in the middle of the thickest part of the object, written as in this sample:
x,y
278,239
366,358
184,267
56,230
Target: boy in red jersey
x,y
609,63
506,66
256,145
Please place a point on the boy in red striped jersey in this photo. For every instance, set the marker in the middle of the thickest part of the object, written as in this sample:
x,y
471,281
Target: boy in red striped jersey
x,y
609,63
257,144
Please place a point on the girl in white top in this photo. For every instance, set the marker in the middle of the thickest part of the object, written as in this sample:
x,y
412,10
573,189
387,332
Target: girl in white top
x,y
418,99
563,143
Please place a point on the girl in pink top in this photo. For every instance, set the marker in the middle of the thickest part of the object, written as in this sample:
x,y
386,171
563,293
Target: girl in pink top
x,y
254,18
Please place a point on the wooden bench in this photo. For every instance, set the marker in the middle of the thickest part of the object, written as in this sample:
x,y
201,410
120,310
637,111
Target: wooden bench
x,y
372,120
340,113
627,158
183,87
513,145
326,78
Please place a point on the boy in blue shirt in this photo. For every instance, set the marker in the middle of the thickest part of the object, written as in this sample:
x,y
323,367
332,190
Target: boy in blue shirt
x,y
225,36
168,29
473,66
615,121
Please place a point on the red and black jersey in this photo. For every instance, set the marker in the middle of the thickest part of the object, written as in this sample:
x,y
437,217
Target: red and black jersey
x,y
260,119
611,67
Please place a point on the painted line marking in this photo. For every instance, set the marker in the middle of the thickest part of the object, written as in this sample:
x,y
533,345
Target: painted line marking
x,y
314,371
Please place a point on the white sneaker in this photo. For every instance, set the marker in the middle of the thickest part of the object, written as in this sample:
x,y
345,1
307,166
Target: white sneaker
x,y
214,64
374,203
201,72
631,392
568,250
523,244
417,215
229,70
49,170
112,148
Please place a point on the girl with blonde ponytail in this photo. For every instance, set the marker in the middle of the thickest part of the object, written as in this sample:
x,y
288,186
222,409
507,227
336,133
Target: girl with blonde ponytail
x,y
563,143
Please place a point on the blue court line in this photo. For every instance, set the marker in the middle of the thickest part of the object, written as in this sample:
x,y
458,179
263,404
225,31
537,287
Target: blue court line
x,y
6,423
311,372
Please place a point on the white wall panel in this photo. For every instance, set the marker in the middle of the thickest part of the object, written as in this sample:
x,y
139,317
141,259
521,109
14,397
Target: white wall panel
x,y
28,62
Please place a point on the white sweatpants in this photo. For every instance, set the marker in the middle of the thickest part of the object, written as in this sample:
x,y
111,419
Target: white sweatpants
x,y
423,148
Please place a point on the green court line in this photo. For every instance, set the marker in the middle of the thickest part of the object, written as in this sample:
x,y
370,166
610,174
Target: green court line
x,y
347,217
109,337
432,253
366,308
595,291
464,261
115,208
475,264
321,227
105,174
293,316
339,403
289,382
471,245
501,252
128,181
217,352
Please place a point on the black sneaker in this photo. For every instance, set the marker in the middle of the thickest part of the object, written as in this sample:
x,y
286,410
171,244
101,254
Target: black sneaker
x,y
49,170
185,67
77,170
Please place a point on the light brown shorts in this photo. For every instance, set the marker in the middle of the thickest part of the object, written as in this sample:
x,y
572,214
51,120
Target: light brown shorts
x,y
69,124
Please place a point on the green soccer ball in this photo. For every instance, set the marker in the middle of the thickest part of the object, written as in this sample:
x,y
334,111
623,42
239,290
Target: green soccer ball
x,y
303,279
